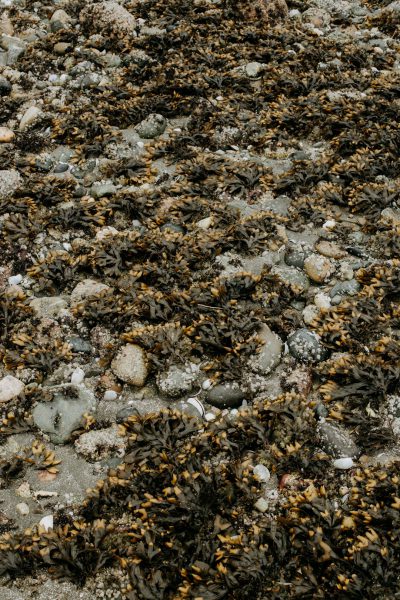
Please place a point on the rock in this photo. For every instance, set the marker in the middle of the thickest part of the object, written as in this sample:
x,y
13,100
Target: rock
x,y
6,25
191,407
343,463
261,473
299,380
6,135
9,180
10,387
261,505
5,86
177,380
79,345
22,509
344,288
226,395
269,355
316,17
296,254
59,20
321,300
106,232
60,417
7,593
306,346
205,223
87,288
30,117
110,395
48,306
336,441
153,126
13,54
24,490
8,41
15,279
318,268
329,249
292,276
106,16
98,190
100,443
131,365
254,69
77,376
61,48
310,313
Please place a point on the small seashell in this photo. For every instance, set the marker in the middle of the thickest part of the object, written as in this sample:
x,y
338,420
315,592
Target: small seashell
x,y
15,279
343,463
110,395
47,522
210,416
207,383
197,405
261,473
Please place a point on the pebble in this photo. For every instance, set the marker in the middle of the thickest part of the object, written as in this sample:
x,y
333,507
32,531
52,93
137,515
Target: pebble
x,y
10,387
63,415
31,116
106,232
6,135
321,300
59,20
344,288
329,249
98,190
343,463
48,306
151,127
261,473
226,395
77,376
296,253
310,313
15,279
306,346
86,288
177,380
100,443
336,441
254,69
24,490
110,395
9,180
261,505
205,223
270,353
318,268
104,15
47,522
292,276
80,345
22,508
131,365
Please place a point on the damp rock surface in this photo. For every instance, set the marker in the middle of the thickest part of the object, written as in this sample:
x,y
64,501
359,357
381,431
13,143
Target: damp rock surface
x,y
131,365
306,346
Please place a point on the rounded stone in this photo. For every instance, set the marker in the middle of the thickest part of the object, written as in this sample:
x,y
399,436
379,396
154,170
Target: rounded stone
x,y
177,380
343,463
306,346
31,116
10,388
318,268
6,135
296,254
151,127
9,180
329,249
22,508
292,276
226,395
345,288
336,441
270,352
131,365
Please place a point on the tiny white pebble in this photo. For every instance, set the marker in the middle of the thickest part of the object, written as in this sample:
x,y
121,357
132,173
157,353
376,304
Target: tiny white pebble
x,y
219,98
177,129
330,224
110,395
210,416
343,463
261,505
261,473
77,376
47,522
207,383
22,508
15,279
67,246
140,144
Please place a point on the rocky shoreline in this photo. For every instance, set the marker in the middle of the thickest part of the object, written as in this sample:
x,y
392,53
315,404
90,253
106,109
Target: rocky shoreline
x,y
199,286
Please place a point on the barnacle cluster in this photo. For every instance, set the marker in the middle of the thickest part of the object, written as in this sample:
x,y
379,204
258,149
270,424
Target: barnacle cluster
x,y
179,518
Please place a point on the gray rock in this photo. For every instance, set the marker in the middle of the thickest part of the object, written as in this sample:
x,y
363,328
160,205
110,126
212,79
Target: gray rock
x,y
336,441
60,417
31,116
100,443
143,407
306,346
254,69
10,388
101,16
131,365
98,190
269,356
86,288
296,254
79,345
177,380
151,127
5,86
9,180
48,306
344,288
59,20
292,276
226,395
10,594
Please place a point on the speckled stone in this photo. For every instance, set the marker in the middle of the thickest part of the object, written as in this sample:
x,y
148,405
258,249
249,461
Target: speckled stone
x,y
306,346
226,395
177,380
153,126
318,268
131,365
336,441
270,353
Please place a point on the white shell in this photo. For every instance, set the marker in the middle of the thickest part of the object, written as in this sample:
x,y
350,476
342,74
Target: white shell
x,y
197,405
330,224
47,522
77,376
210,416
207,383
261,473
110,395
343,463
15,279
